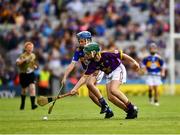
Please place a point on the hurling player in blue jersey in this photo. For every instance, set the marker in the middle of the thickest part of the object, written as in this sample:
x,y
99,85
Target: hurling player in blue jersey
x,y
154,66
84,37
111,64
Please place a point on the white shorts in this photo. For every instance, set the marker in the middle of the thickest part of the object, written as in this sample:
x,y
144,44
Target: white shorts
x,y
153,80
118,74
99,77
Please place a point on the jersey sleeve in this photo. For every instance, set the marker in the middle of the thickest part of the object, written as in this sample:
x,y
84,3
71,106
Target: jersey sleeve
x,y
119,54
75,57
161,62
34,56
143,63
19,58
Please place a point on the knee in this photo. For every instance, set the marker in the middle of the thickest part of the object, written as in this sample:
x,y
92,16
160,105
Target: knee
x,y
112,92
23,92
110,97
32,87
89,85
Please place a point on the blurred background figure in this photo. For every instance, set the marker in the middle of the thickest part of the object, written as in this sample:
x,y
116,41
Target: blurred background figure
x,y
44,81
27,64
154,67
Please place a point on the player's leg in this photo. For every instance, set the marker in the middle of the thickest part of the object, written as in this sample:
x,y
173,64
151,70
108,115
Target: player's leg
x,y
156,102
150,83
96,96
157,82
121,100
150,90
23,83
114,80
32,92
112,98
23,98
94,93
32,89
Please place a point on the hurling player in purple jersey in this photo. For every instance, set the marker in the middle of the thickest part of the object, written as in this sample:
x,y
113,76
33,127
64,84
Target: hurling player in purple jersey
x,y
84,37
110,64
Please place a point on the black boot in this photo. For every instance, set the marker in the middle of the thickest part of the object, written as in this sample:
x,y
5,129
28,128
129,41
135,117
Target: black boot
x,y
109,113
132,112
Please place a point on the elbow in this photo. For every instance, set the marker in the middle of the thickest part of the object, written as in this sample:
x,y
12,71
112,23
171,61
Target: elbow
x,y
17,63
136,66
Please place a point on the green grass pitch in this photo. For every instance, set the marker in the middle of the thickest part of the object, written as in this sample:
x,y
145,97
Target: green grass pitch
x,y
78,115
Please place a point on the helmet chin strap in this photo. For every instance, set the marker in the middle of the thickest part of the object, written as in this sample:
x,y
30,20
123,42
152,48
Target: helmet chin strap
x,y
97,56
92,54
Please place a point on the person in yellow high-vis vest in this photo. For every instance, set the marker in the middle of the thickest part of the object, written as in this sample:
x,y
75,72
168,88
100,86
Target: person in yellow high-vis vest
x,y
44,82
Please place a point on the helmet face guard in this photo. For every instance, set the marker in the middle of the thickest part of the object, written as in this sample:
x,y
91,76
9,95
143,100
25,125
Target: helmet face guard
x,y
84,35
153,48
91,47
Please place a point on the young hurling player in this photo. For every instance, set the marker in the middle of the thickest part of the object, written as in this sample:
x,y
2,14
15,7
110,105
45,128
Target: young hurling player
x,y
26,63
155,68
115,72
85,37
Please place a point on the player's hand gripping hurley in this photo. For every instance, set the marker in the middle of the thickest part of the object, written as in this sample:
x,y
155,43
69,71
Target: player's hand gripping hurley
x,y
42,100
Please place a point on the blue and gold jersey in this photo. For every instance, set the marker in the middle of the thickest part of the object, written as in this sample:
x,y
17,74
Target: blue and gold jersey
x,y
79,55
153,64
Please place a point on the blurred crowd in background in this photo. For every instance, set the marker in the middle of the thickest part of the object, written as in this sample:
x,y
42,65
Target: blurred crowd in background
x,y
52,26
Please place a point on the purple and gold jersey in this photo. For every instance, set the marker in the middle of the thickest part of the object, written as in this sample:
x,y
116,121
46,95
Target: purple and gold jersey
x,y
108,63
153,64
79,55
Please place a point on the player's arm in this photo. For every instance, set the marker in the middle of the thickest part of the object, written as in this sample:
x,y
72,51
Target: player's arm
x,y
35,63
163,68
143,69
82,81
89,71
70,67
130,60
163,72
68,71
20,61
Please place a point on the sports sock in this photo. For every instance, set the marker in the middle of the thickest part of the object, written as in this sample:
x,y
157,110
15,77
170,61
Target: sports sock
x,y
103,103
23,98
108,110
150,94
32,101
